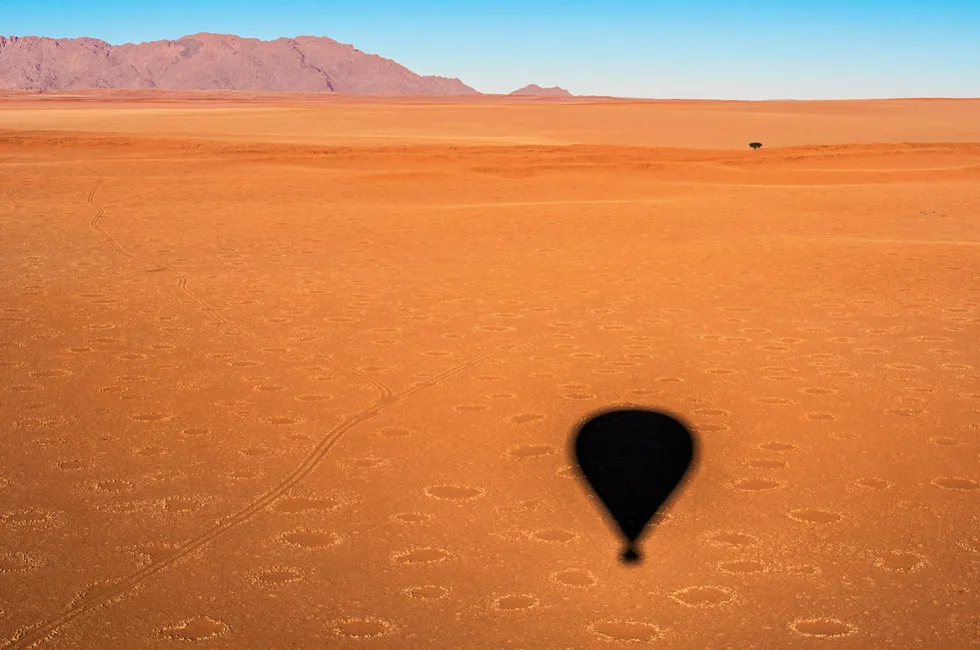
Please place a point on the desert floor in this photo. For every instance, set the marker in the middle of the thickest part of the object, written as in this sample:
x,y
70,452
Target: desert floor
x,y
298,372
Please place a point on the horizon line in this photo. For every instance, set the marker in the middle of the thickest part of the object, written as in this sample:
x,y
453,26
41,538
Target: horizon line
x,y
462,97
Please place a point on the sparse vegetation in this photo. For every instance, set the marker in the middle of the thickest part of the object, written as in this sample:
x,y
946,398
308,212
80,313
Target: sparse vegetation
x,y
755,145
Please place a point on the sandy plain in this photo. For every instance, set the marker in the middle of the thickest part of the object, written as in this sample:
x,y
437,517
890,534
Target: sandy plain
x,y
297,372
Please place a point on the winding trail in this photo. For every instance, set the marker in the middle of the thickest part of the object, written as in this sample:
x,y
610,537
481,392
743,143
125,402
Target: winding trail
x,y
95,223
37,634
181,278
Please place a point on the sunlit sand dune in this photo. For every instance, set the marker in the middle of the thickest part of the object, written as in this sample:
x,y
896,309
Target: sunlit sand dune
x,y
292,372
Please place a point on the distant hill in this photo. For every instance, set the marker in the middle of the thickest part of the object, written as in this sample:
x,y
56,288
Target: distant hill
x,y
534,89
211,62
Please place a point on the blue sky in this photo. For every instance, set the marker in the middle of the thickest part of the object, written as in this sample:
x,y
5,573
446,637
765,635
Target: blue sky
x,y
696,49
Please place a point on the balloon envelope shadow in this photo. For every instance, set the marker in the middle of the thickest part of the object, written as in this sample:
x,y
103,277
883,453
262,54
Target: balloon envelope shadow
x,y
633,459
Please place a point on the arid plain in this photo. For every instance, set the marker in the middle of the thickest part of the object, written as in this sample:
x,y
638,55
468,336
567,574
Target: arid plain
x,y
296,372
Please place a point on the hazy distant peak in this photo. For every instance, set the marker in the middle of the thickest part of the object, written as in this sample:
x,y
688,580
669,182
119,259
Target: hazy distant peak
x,y
534,89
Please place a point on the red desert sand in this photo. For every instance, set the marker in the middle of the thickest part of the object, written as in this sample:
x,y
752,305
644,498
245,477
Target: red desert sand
x,y
301,371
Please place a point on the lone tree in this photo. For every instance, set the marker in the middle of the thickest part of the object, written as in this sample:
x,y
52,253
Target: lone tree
x,y
755,145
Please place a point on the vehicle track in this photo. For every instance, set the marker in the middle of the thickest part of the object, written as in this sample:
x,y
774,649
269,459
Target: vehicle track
x,y
36,635
181,278
208,309
100,212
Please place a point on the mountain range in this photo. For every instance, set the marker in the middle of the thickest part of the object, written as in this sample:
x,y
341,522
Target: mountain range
x,y
211,62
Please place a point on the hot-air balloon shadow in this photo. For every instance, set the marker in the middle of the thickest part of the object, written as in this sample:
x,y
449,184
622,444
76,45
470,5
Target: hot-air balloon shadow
x,y
634,460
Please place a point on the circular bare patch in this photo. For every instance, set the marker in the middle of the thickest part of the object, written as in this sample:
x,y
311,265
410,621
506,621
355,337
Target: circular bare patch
x,y
954,483
311,538
625,630
361,627
822,627
574,578
814,516
199,628
453,492
704,596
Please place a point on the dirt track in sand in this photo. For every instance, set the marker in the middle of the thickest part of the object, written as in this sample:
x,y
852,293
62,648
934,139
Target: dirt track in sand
x,y
264,385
